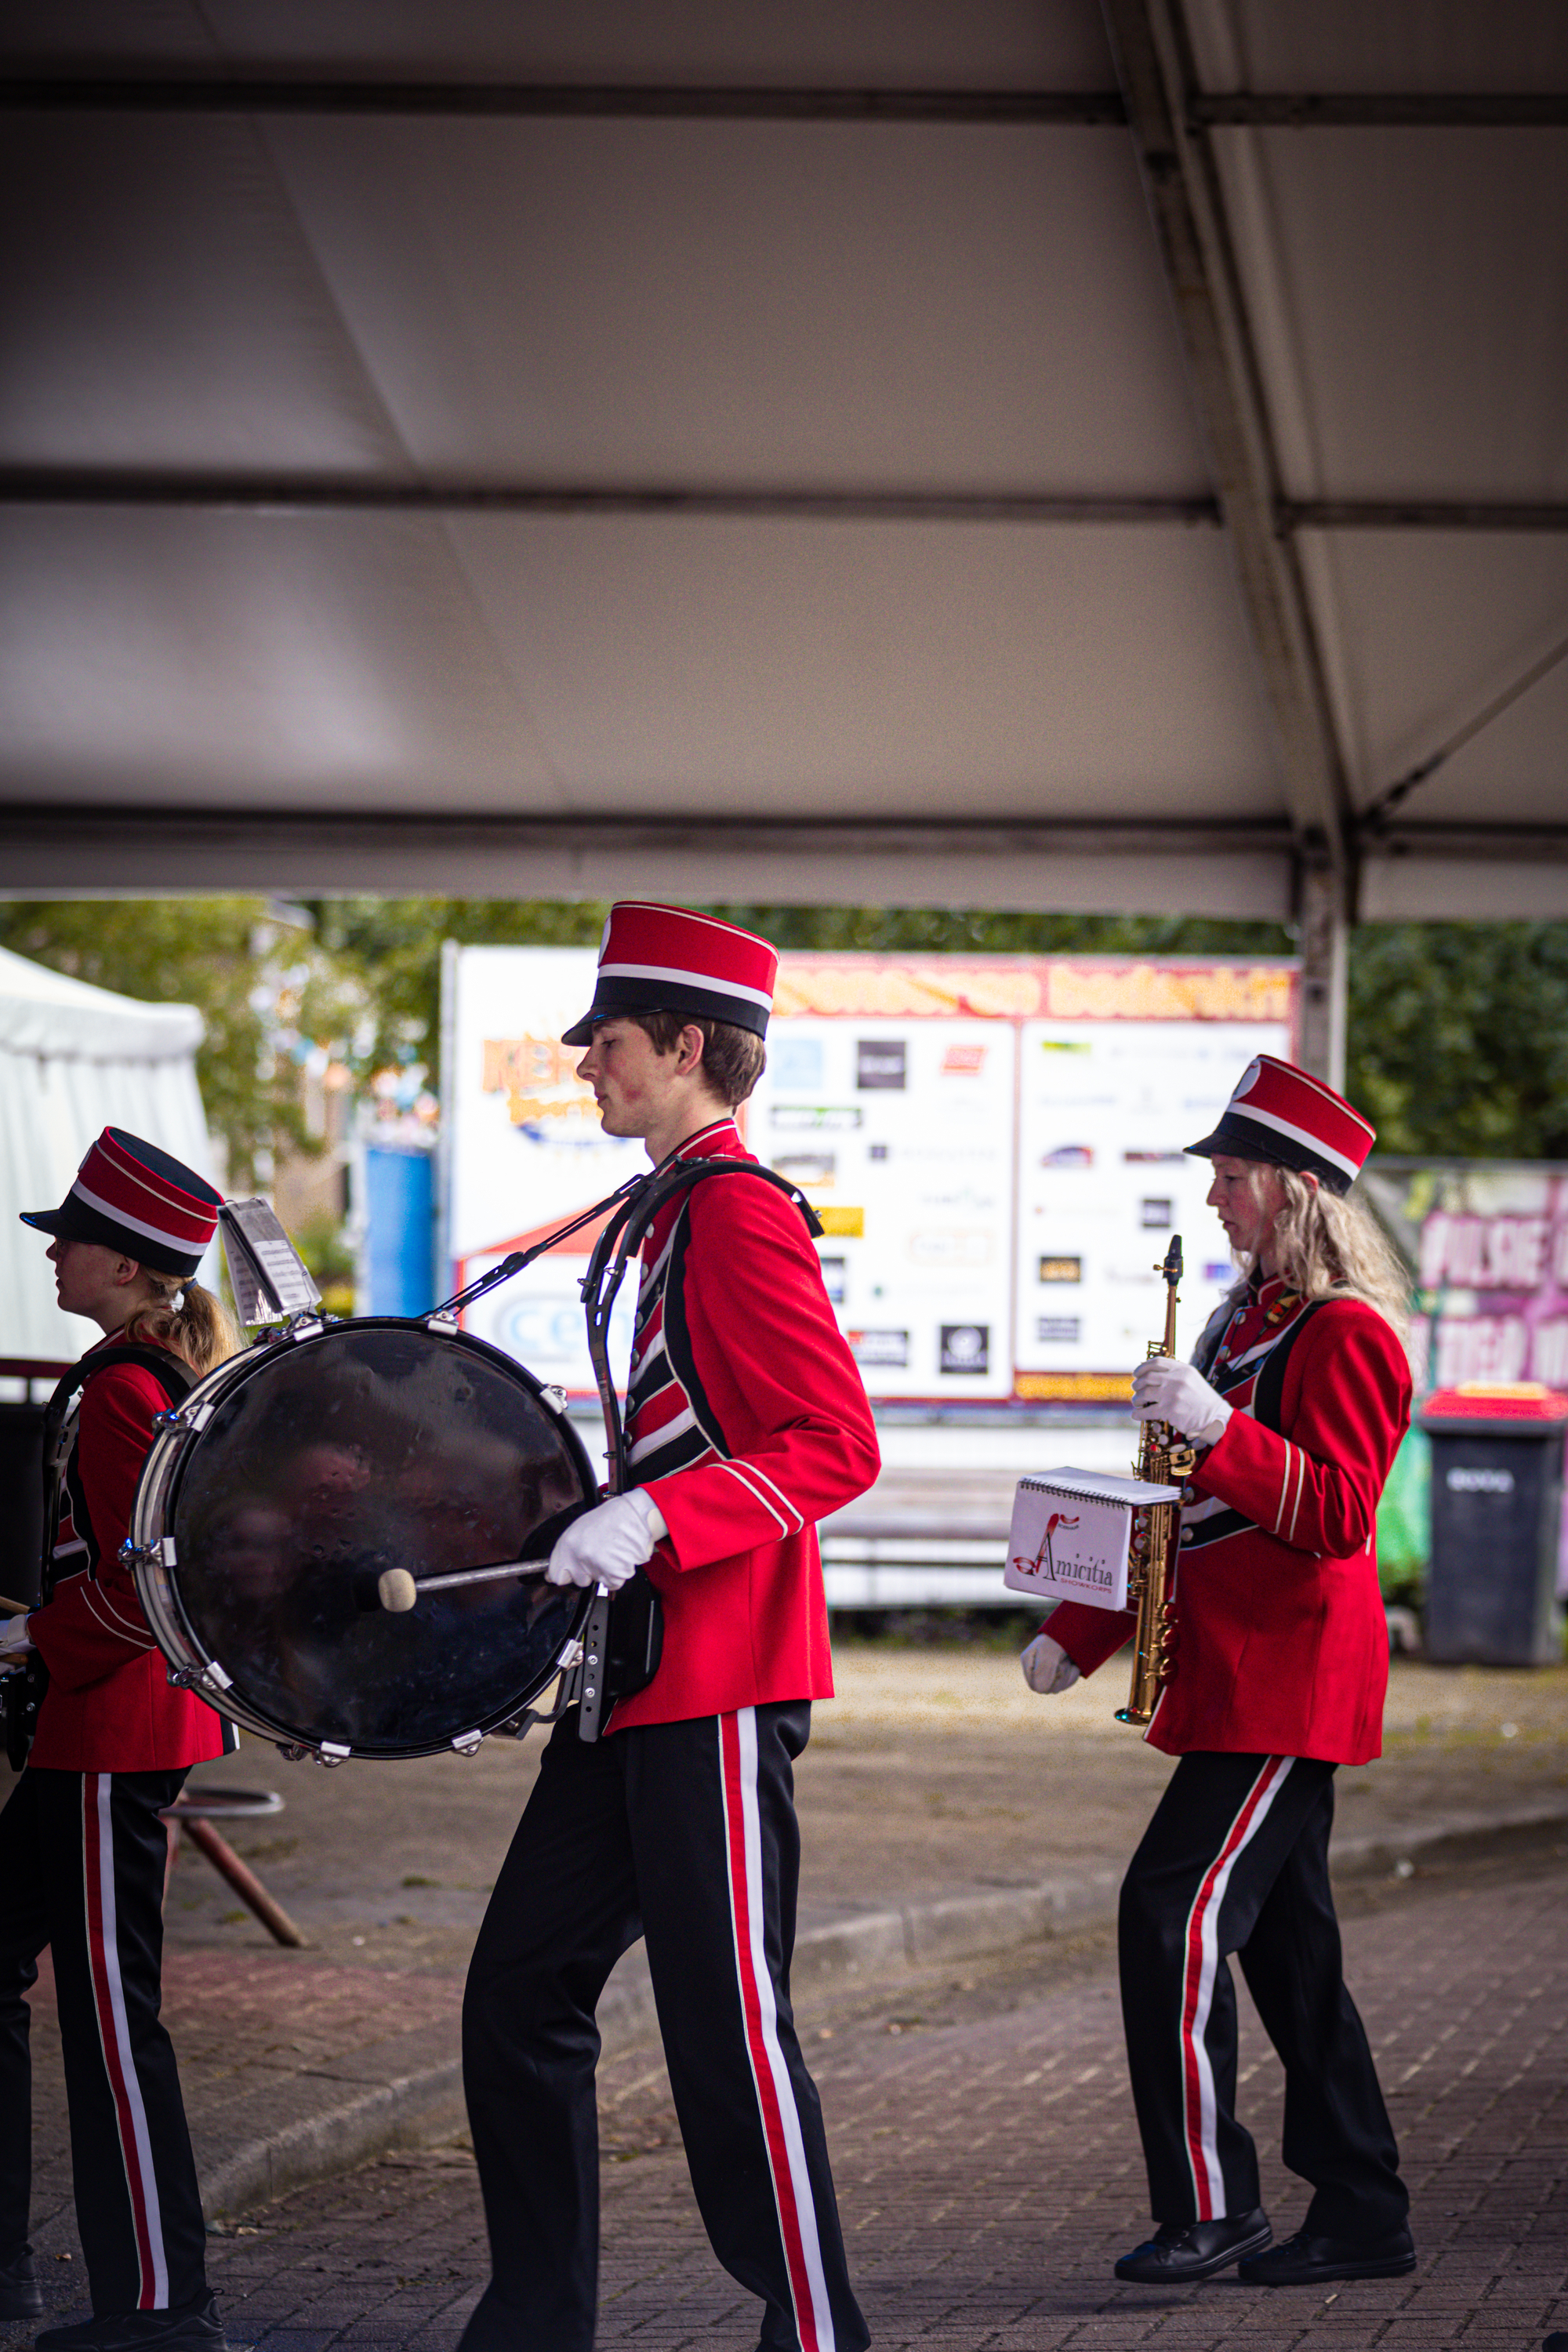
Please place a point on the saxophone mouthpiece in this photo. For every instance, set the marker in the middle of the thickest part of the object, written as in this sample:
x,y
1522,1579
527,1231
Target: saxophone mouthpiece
x,y
1172,1268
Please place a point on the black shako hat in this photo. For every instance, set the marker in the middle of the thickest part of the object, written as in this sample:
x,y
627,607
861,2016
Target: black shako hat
x,y
128,1195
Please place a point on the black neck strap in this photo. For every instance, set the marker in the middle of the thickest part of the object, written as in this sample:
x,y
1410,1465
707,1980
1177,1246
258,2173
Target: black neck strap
x,y
620,1241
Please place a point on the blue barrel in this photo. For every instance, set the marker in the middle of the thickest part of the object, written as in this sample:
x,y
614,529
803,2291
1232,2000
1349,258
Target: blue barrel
x,y
400,1231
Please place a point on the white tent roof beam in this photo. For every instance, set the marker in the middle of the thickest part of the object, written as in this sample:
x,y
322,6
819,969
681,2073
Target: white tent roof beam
x,y
1246,871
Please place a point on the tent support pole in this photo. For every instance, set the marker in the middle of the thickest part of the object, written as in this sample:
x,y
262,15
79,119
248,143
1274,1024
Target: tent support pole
x,y
1322,926
1152,49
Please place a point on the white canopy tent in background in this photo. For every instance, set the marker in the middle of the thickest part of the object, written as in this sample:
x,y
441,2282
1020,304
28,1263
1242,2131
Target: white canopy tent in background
x,y
1031,454
74,1060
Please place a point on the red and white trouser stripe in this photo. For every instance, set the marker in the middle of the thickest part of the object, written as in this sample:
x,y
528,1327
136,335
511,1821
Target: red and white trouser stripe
x,y
114,2034
1202,1957
776,2096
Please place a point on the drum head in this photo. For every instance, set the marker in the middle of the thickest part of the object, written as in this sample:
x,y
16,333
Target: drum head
x,y
331,1459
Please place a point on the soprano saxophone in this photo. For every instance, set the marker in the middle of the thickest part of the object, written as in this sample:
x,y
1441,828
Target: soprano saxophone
x,y
1164,1459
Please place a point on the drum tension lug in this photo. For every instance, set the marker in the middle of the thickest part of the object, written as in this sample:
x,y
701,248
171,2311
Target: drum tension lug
x,y
469,1743
329,1753
554,1397
291,1752
183,1678
441,1322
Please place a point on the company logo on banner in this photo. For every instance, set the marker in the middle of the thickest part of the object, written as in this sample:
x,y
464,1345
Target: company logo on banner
x,y
993,1147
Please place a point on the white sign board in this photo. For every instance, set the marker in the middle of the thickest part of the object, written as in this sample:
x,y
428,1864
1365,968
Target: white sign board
x,y
994,1145
1104,1109
901,1134
525,1151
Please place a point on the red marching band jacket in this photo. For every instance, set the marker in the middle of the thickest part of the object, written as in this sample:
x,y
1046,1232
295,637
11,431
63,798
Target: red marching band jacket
x,y
1279,1644
746,1422
109,1707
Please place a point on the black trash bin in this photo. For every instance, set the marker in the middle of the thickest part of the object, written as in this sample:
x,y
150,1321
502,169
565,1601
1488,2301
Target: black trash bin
x,y
1497,1520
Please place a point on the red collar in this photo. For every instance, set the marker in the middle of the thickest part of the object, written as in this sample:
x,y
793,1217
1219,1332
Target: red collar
x,y
721,1135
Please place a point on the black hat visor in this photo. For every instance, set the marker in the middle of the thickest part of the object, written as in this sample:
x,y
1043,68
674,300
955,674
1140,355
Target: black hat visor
x,y
1243,1139
614,1000
73,1221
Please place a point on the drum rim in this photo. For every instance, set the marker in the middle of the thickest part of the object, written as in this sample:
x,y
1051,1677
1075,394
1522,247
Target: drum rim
x,y
159,1487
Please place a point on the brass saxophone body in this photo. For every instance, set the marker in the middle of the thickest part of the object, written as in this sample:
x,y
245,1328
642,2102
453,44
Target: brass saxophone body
x,y
1164,1459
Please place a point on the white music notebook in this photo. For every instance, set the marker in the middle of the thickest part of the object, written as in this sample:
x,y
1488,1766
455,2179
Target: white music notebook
x,y
1072,1533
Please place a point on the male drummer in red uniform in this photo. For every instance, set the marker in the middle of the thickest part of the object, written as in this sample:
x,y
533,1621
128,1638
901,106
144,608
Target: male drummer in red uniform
x,y
747,1423
1298,1397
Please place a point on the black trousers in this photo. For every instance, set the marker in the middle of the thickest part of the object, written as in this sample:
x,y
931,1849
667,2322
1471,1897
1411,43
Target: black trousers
x,y
82,1861
1236,1860
684,1834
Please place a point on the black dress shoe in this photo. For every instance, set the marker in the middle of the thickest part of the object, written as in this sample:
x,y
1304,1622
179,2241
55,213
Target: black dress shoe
x,y
189,2327
1302,2260
19,2296
1181,2251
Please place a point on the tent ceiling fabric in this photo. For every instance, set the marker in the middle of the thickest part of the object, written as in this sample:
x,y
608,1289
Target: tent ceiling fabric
x,y
235,340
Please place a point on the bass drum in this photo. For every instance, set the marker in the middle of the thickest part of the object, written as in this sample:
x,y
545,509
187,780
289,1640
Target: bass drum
x,y
294,1475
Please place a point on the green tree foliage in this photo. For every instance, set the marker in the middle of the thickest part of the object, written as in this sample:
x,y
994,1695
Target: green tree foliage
x,y
1458,1038
395,945
259,985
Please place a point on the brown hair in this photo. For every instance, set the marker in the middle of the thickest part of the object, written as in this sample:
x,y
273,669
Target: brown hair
x,y
733,1059
200,1329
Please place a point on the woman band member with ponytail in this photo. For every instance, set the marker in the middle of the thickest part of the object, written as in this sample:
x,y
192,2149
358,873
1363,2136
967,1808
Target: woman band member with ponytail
x,y
1297,1398
83,1846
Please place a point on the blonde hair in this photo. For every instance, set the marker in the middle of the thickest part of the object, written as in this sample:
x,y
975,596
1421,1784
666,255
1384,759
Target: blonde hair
x,y
199,1328
1329,1246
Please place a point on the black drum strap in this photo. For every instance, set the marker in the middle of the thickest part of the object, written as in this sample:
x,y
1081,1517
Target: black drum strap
x,y
1268,1389
22,1691
174,1376
618,1244
623,1633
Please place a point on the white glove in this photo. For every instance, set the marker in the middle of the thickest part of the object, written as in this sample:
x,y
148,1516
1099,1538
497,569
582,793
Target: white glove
x,y
1163,1390
1048,1667
15,1636
609,1543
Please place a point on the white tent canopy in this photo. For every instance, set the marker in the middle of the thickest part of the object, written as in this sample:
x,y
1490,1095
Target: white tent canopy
x,y
1026,454
74,1060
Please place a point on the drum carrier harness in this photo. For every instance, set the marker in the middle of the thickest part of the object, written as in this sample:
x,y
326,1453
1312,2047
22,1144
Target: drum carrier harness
x,y
625,1630
22,1690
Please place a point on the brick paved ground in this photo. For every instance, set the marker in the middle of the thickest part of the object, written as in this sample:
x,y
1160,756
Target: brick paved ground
x,y
989,2172
935,1772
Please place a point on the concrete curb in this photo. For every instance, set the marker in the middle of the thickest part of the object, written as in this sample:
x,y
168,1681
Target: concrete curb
x,y
409,2091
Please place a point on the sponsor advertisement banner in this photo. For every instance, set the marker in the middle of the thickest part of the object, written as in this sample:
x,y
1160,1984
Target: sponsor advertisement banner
x,y
1487,1243
994,1145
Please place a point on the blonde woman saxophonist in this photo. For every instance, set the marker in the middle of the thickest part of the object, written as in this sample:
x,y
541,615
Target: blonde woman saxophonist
x,y
1296,1401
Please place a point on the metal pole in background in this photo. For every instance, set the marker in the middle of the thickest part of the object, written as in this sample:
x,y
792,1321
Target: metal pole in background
x,y
1323,927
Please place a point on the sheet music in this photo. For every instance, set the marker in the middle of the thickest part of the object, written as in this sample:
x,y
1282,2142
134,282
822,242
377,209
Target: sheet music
x,y
1072,1535
268,1276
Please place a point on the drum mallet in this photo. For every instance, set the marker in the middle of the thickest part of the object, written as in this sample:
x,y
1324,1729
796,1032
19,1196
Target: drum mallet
x,y
397,1589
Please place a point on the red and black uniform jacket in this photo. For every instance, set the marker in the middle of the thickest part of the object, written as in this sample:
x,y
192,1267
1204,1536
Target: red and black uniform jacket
x,y
1279,1644
109,1707
746,1422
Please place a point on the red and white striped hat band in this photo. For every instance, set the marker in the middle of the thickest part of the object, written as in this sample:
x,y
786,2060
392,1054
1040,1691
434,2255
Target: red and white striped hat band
x,y
128,1195
1279,1114
669,959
